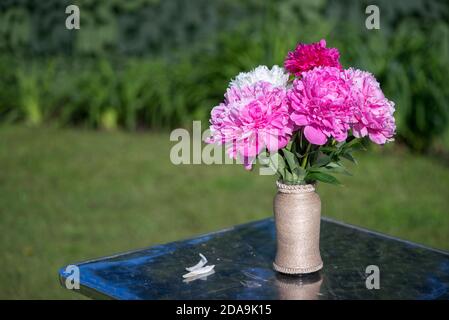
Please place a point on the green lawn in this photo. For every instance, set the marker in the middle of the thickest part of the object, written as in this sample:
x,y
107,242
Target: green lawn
x,y
70,195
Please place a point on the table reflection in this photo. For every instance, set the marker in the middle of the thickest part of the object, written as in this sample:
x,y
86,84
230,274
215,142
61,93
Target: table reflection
x,y
300,287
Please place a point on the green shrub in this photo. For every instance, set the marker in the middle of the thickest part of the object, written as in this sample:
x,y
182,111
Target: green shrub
x,y
141,63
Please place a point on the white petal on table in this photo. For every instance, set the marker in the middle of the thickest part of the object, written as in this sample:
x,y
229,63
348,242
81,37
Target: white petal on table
x,y
200,264
199,271
202,277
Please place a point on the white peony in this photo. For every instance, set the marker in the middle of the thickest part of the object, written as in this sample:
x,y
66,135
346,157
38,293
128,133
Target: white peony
x,y
276,77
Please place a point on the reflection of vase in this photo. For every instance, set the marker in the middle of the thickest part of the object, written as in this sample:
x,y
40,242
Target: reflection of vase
x,y
297,213
303,287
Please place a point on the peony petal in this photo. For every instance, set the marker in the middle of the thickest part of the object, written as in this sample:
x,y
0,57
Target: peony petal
x,y
315,136
341,136
299,119
200,264
377,137
202,270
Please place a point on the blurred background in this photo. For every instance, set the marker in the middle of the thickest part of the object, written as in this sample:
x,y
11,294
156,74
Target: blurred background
x,y
85,117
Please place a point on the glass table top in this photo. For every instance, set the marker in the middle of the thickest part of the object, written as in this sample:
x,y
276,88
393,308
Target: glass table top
x,y
243,257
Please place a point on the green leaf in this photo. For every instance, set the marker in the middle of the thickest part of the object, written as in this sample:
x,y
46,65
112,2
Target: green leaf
x,y
277,164
323,177
328,149
353,145
300,174
322,161
337,168
292,160
288,177
349,156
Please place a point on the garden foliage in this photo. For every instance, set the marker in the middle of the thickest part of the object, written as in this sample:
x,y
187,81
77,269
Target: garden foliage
x,y
161,64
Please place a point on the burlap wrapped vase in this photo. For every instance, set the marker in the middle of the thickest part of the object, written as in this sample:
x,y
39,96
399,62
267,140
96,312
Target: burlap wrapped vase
x,y
297,213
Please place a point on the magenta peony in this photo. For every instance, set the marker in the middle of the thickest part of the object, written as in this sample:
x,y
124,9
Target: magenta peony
x,y
373,113
321,103
252,118
308,56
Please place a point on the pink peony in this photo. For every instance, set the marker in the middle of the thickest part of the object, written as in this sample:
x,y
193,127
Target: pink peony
x,y
321,103
373,113
308,56
252,118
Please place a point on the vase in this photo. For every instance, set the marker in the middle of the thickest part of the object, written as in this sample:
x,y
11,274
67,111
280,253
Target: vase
x,y
297,214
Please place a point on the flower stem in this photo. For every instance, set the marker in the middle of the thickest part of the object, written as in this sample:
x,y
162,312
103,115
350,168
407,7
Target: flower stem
x,y
304,160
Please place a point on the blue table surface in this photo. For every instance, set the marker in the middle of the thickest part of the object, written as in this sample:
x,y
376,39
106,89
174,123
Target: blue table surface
x,y
243,257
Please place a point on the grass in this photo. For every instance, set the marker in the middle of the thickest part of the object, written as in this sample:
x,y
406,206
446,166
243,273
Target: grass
x,y
70,195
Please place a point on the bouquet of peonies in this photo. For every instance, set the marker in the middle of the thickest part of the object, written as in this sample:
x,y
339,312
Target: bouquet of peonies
x,y
305,120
